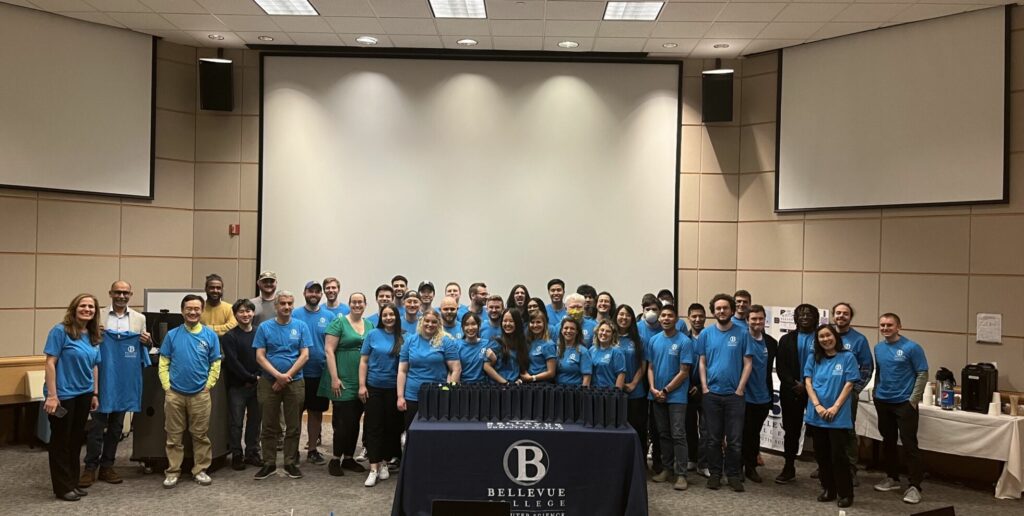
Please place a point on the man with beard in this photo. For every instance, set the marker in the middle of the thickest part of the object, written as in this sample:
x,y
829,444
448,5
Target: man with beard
x,y
264,303
759,389
426,290
400,285
743,299
332,290
794,348
411,317
696,426
855,342
490,329
384,295
478,299
454,291
317,318
557,310
216,315
450,317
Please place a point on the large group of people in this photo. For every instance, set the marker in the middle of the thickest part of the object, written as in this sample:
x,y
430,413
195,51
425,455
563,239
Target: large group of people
x,y
699,393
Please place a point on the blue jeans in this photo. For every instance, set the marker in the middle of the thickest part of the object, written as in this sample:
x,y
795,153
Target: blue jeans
x,y
725,421
671,421
242,399
101,441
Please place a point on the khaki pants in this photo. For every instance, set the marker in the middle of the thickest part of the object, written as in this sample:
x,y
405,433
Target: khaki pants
x,y
194,408
292,397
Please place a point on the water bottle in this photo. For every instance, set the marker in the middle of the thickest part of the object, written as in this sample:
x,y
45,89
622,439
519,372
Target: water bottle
x,y
947,395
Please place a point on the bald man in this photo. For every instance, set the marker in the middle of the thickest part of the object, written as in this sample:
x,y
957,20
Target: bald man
x,y
450,317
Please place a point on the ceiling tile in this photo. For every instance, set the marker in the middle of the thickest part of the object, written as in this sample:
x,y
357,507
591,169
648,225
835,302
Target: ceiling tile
x,y
142,21
831,30
764,45
316,39
810,12
411,26
173,36
401,8
625,29
196,22
355,25
619,44
586,44
174,6
870,12
238,22
750,12
382,40
482,42
680,29
560,28
342,8
655,45
517,28
416,41
706,48
515,10
790,30
231,6
301,23
95,17
696,11
56,6
736,30
512,43
454,27
253,38
121,6
231,40
574,11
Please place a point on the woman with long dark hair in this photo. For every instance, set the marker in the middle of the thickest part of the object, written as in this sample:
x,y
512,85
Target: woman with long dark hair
x,y
543,360
574,367
378,378
636,368
472,350
510,357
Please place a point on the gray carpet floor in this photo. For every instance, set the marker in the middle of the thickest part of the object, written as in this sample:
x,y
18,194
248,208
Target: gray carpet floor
x,y
25,490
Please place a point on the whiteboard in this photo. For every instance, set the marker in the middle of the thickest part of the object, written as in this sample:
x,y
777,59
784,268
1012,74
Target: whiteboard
x,y
169,299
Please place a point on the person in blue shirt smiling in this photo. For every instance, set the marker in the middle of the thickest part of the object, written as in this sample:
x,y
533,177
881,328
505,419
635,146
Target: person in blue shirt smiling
x,y
518,297
427,356
557,309
670,355
378,379
490,329
604,307
543,360
384,296
856,343
472,350
71,390
743,300
332,290
449,311
317,318
829,375
759,389
609,363
574,367
509,358
411,317
636,370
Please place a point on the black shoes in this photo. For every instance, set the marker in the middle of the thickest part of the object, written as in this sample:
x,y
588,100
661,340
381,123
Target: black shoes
x,y
826,496
845,502
81,492
237,462
69,496
788,475
736,483
268,470
253,459
292,471
334,468
751,473
351,465
714,482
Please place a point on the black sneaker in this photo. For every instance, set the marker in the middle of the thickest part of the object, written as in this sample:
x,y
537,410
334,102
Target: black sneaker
x,y
292,471
351,465
334,468
268,470
714,482
751,473
826,496
736,483
314,457
788,475
253,459
394,464
237,463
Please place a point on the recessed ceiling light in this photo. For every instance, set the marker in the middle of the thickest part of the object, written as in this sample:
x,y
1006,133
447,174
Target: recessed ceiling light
x,y
287,7
458,8
217,37
633,11
568,44
670,45
366,40
265,38
721,45
467,42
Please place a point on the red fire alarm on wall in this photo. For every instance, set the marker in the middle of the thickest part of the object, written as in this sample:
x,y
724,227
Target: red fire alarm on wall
x,y
234,229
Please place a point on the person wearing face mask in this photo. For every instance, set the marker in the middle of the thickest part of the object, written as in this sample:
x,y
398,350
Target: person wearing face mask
x,y
794,348
574,309
856,343
647,327
557,309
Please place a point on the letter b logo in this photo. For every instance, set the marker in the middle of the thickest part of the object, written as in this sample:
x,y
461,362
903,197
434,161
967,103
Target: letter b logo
x,y
526,462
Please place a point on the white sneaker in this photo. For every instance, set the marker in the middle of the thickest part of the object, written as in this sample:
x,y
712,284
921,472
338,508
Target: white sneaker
x,y
371,479
203,479
170,480
362,456
912,495
383,473
704,472
889,484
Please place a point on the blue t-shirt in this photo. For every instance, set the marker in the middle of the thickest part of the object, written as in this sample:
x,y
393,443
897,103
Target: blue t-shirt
x,y
855,342
381,366
462,311
283,342
427,364
123,358
647,331
488,331
587,326
191,355
409,327
828,378
898,364
608,364
739,322
666,354
573,365
540,352
374,318
341,309
628,349
681,325
507,369
555,316
473,355
723,353
75,360
317,322
804,346
756,391
454,331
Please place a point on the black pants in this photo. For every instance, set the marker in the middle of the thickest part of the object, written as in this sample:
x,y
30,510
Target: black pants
x,y
899,420
833,464
67,436
695,430
636,414
654,434
792,421
382,428
410,413
345,421
753,420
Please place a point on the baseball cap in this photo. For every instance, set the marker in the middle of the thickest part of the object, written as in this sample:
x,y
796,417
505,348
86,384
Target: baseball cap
x,y
311,284
267,275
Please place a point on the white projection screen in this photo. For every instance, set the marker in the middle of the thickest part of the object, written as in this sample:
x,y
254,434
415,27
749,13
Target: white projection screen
x,y
76,105
460,170
906,115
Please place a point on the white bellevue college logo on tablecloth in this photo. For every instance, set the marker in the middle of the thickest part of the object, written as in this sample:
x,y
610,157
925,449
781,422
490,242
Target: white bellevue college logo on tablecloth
x,y
526,462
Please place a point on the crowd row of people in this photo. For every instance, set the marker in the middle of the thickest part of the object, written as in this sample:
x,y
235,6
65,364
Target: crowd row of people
x,y
699,393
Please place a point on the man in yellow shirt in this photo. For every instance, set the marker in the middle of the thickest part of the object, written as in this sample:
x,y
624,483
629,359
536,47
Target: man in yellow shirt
x,y
217,315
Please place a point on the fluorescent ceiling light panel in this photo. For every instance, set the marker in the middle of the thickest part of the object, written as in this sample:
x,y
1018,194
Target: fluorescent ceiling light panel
x,y
287,7
633,11
458,8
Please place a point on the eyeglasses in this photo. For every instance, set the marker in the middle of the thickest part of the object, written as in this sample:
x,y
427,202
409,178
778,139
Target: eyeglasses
x,y
120,293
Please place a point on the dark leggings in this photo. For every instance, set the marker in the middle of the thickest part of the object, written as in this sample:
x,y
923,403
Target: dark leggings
x,y
345,421
382,426
833,464
753,420
636,414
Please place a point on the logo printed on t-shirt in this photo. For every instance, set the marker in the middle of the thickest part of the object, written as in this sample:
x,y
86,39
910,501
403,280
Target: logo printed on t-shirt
x,y
732,341
837,370
323,322
899,356
130,352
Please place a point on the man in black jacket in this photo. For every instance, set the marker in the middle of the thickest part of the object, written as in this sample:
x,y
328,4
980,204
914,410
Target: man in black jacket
x,y
241,372
794,348
759,390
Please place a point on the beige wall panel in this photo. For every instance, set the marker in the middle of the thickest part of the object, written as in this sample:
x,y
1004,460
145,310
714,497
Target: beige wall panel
x,y
146,273
1001,295
211,234
59,278
770,245
247,278
247,239
947,350
175,135
757,199
156,232
174,185
14,192
226,268
1017,60
710,283
250,187
926,244
930,302
687,288
689,148
720,150
1017,121
843,214
19,330
19,271
18,231
693,67
689,196
758,99
1016,18
925,211
996,244
44,322
842,245
764,63
717,245
1008,357
719,197
180,53
251,91
217,186
771,288
250,139
688,245
176,85
824,289
218,138
757,148
79,227
692,101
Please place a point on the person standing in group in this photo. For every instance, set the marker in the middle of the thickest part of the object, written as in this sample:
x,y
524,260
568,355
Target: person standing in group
x,y
478,298
557,309
317,319
124,353
589,294
725,351
426,291
282,349
345,337
636,369
743,300
534,305
491,327
242,372
450,324
902,372
400,285
507,360
543,355
454,291
378,380
472,350
574,367
264,303
216,314
648,325
605,308
384,295
427,356
758,395
411,318
856,343
574,309
71,390
607,360
829,376
332,292
190,361
517,298
696,426
794,349
670,355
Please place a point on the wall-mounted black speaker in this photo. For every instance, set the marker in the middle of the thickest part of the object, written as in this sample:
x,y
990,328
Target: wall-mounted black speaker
x,y
216,90
716,97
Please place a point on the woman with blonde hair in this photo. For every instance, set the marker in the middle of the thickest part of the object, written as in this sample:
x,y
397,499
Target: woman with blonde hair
x,y
428,356
543,360
608,361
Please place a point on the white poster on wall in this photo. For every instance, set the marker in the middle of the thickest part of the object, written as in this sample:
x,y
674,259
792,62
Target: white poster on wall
x,y
779,320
